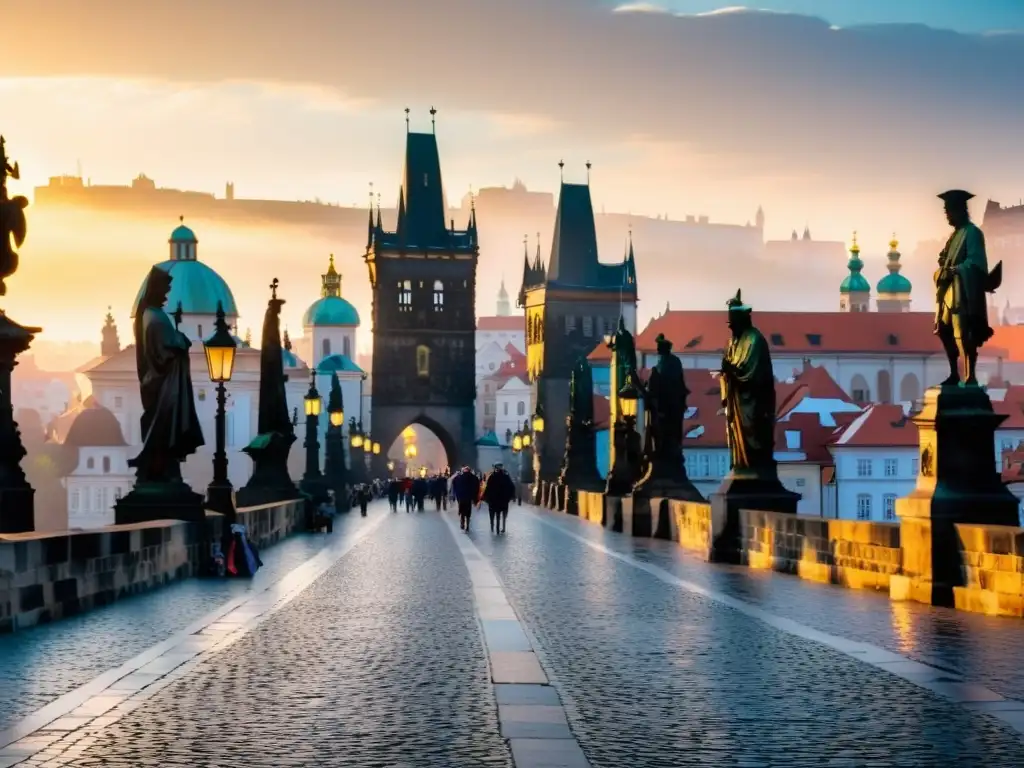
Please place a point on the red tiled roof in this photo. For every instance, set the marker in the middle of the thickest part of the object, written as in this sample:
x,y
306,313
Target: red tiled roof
x,y
814,438
501,323
602,412
1014,412
797,332
879,426
513,351
705,428
1010,338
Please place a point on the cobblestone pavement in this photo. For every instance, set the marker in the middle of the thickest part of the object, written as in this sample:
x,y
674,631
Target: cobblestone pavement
x,y
380,662
984,649
39,664
653,675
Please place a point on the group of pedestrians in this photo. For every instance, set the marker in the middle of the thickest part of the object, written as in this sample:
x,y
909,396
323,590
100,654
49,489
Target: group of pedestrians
x,y
497,491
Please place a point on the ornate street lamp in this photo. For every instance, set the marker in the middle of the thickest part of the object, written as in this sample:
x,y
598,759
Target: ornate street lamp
x,y
517,443
220,364
334,458
626,469
538,420
313,480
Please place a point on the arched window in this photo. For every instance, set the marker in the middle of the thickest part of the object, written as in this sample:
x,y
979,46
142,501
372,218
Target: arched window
x,y
520,408
423,361
90,463
346,347
405,296
325,347
106,465
505,409
438,296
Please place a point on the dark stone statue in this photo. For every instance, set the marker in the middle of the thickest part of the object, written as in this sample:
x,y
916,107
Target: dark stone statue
x,y
961,282
748,394
12,219
624,442
17,500
170,427
664,409
579,466
270,481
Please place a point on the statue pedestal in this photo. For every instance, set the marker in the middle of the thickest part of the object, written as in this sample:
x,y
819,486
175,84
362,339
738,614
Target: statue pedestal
x,y
160,501
17,498
744,491
270,481
958,483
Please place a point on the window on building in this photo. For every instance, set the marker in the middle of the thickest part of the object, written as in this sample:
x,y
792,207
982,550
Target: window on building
x,y
705,465
118,402
863,467
891,467
423,361
863,506
521,408
814,339
723,464
325,348
488,409
346,347
405,296
588,326
90,463
117,493
777,340
438,296
915,466
691,464
106,465
861,395
201,396
801,482
570,324
889,506
97,499
75,500
505,409
200,329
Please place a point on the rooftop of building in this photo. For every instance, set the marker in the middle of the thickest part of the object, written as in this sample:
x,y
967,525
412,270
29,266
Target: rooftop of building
x,y
879,426
501,323
87,424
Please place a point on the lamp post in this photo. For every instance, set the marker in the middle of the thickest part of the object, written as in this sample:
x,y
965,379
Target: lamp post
x,y
220,364
539,447
624,472
356,441
375,461
525,440
313,480
334,460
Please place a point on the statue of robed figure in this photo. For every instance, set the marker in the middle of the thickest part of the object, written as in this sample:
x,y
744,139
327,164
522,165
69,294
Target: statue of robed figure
x,y
624,443
270,481
579,465
748,394
170,427
748,398
664,409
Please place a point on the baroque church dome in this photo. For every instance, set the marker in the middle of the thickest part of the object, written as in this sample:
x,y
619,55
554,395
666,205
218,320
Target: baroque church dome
x,y
194,284
855,282
330,309
894,282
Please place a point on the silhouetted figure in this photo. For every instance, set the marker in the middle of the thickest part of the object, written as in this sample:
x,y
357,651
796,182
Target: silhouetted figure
x,y
394,491
499,490
961,282
466,489
170,426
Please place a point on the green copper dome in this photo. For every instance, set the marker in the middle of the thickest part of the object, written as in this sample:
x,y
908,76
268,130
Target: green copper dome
x,y
183,234
894,282
330,310
855,282
196,286
337,363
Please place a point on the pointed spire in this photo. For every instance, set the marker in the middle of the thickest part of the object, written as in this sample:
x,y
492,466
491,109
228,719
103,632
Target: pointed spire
x,y
369,226
561,170
528,279
380,225
588,171
286,341
433,120
807,232
110,344
406,119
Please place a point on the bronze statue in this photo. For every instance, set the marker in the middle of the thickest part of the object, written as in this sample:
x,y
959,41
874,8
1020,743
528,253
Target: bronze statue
x,y
12,219
748,394
579,464
170,427
961,282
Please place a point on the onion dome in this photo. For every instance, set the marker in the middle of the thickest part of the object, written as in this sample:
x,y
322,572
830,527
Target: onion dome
x,y
894,282
855,282
330,309
94,426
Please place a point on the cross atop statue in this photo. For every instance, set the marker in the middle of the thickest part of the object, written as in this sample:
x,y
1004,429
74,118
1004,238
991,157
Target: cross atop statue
x,y
177,314
273,288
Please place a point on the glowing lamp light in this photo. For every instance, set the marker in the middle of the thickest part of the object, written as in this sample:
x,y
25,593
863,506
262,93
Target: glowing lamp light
x,y
391,466
410,451
376,449
220,350
357,440
423,471
517,443
527,440
629,396
337,418
538,421
312,398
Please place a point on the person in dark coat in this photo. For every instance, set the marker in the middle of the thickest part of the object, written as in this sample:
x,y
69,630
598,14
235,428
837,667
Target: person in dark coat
x,y
363,496
499,490
466,487
420,488
394,491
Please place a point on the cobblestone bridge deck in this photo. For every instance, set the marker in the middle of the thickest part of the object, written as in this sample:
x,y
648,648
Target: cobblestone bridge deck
x,y
400,641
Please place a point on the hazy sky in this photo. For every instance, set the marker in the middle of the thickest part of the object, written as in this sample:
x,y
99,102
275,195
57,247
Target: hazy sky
x,y
849,119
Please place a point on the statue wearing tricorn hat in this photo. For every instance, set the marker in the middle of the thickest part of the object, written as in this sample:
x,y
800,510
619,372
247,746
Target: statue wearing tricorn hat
x,y
961,282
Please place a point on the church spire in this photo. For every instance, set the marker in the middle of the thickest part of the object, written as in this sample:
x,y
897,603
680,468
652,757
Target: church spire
x,y
369,226
110,344
330,281
854,291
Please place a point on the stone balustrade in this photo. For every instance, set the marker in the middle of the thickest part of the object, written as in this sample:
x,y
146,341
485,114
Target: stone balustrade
x,y
858,554
46,576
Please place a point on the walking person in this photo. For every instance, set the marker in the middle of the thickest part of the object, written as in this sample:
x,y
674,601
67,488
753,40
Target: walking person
x,y
499,490
394,489
363,496
466,488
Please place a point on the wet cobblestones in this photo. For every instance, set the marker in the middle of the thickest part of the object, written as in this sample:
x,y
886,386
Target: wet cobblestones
x,y
655,676
379,663
40,664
